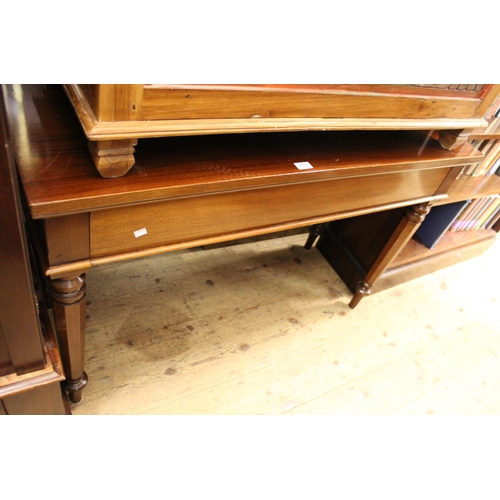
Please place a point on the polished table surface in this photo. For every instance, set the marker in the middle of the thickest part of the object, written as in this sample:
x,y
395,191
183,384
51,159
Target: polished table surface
x,y
189,191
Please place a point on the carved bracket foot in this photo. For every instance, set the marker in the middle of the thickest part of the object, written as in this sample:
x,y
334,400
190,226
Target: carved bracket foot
x,y
452,139
113,158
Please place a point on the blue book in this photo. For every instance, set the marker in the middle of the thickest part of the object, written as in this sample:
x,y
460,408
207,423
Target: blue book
x,y
437,222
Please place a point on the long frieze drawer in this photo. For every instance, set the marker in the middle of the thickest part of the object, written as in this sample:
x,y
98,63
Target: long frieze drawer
x,y
139,227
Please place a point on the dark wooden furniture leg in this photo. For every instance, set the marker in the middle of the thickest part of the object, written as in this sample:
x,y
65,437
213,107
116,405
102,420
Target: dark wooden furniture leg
x,y
315,231
414,216
68,302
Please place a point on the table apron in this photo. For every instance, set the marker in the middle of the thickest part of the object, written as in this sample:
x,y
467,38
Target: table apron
x,y
193,219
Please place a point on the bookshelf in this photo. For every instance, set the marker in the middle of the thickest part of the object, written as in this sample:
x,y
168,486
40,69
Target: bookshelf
x,y
342,245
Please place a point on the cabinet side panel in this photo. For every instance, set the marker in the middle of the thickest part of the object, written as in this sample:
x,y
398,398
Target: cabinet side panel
x,y
203,103
19,319
118,102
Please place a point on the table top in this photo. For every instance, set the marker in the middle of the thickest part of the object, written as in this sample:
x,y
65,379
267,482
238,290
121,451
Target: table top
x,y
59,176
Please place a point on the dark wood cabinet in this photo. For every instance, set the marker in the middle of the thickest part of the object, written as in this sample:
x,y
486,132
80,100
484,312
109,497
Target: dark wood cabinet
x,y
30,367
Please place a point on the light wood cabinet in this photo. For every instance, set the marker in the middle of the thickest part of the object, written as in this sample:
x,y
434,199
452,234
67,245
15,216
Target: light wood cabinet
x,y
115,117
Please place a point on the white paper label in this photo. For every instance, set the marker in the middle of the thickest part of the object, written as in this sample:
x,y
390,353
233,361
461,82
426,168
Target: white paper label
x,y
140,232
303,165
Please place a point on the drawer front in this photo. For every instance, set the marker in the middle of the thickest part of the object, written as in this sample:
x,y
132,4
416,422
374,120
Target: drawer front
x,y
181,220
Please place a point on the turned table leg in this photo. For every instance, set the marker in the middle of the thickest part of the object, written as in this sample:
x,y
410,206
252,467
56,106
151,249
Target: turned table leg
x,y
68,302
411,221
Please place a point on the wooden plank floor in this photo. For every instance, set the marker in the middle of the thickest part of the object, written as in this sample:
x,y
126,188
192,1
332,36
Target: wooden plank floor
x,y
264,328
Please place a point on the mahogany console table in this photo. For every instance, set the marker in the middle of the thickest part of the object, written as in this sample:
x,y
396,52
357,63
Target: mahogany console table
x,y
190,191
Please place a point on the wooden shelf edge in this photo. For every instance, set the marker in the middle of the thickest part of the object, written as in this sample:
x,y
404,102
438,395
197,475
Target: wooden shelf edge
x,y
486,135
450,242
492,131
435,260
468,187
164,128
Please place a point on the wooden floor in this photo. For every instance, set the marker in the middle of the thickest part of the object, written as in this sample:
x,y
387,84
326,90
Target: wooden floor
x,y
264,328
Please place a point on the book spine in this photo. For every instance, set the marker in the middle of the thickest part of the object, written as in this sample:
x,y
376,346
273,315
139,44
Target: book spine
x,y
473,215
495,202
465,217
494,220
493,217
490,157
455,225
478,219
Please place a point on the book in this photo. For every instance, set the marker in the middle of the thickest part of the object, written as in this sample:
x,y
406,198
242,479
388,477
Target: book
x,y
461,219
483,208
494,167
492,208
491,155
484,146
494,217
437,222
472,216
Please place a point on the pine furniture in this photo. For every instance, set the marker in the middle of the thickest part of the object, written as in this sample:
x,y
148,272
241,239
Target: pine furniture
x,y
115,117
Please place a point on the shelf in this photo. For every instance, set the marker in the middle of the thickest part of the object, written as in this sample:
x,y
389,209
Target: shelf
x,y
352,246
414,250
467,187
415,260
492,131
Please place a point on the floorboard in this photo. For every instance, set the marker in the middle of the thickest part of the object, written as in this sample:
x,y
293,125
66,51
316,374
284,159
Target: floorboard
x,y
263,328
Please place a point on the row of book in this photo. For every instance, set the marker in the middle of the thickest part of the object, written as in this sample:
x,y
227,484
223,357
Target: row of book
x,y
480,213
475,214
491,161
468,215
489,147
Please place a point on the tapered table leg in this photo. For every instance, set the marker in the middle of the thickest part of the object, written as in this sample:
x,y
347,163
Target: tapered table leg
x,y
411,221
68,294
315,231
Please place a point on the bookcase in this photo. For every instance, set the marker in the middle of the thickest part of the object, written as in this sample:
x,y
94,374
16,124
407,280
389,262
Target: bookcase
x,y
342,242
